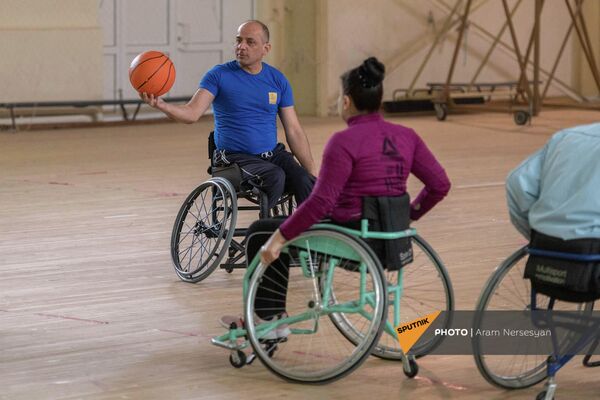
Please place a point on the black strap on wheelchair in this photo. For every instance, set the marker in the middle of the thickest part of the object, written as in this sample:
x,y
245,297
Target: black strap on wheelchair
x,y
567,270
211,150
211,145
390,214
230,172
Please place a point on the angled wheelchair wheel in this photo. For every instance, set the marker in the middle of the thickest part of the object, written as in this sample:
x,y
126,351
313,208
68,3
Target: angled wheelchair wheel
x,y
309,348
419,288
506,290
203,229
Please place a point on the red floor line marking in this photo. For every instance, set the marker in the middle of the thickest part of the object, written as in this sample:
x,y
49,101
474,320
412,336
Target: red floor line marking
x,y
59,183
93,321
181,333
157,194
446,384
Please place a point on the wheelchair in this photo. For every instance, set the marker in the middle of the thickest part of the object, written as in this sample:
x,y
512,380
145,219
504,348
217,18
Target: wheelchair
x,y
205,230
506,289
341,305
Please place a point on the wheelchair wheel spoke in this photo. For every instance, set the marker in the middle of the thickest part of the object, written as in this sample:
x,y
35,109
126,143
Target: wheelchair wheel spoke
x,y
203,231
425,288
314,349
506,290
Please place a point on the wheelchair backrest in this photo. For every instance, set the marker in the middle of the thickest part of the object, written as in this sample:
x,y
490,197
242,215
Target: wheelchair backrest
x,y
230,172
390,214
567,270
211,146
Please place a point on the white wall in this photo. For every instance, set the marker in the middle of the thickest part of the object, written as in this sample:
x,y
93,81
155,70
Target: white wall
x,y
51,50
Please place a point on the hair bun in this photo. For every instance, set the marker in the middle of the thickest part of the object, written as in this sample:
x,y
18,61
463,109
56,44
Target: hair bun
x,y
371,72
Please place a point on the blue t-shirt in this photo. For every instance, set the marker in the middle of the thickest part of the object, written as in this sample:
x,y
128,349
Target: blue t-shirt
x,y
246,106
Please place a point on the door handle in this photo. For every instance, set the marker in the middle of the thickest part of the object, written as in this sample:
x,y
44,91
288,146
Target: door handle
x,y
182,30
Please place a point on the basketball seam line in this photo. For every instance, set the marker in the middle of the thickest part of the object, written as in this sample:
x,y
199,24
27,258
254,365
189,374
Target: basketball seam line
x,y
151,58
154,73
167,80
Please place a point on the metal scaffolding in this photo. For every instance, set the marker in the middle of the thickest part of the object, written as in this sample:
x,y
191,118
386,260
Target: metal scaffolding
x,y
525,93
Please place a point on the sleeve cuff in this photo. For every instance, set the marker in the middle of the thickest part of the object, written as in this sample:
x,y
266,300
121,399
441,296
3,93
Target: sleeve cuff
x,y
211,89
284,233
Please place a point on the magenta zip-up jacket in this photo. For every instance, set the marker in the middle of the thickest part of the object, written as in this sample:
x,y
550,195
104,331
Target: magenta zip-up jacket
x,y
372,157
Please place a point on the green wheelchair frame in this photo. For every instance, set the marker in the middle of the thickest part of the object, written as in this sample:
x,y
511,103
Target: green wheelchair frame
x,y
336,243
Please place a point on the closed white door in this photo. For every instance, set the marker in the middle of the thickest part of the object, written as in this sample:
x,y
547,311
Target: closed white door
x,y
195,34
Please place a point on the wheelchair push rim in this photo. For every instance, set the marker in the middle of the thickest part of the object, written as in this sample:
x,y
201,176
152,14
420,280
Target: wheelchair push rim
x,y
314,351
203,230
419,288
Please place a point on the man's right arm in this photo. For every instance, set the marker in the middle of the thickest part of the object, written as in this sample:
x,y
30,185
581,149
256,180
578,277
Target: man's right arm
x,y
186,113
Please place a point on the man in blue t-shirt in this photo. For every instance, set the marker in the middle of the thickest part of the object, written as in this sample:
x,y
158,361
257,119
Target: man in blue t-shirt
x,y
247,95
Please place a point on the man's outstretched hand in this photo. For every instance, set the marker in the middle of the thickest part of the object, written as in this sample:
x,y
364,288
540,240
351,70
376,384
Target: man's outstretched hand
x,y
154,102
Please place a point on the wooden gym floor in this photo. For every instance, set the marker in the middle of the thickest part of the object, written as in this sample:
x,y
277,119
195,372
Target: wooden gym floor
x,y
90,307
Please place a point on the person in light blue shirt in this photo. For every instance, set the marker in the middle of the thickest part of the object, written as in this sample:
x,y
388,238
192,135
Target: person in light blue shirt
x,y
247,96
556,191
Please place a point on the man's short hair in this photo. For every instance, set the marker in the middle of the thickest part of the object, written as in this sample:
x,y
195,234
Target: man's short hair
x,y
264,28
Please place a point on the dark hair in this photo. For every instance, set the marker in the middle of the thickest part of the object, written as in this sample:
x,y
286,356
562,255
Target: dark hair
x,y
264,28
364,84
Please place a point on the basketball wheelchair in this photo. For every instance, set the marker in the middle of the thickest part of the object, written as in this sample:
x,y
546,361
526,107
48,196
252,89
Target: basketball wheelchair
x,y
507,289
341,305
205,228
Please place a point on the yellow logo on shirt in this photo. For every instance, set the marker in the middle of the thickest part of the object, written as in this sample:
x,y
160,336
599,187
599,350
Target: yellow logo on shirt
x,y
272,97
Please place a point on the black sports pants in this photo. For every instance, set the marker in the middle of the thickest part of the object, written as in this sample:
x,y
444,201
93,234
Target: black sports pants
x,y
272,292
273,172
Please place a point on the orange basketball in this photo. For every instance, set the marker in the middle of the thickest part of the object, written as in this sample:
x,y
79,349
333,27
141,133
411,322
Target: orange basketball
x,y
152,72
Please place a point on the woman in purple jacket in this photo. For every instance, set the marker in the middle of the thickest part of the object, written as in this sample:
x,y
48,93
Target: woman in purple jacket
x,y
372,157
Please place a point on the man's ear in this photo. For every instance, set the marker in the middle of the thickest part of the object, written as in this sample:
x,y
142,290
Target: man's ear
x,y
267,48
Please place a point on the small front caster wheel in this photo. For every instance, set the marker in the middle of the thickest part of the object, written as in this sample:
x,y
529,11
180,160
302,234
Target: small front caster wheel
x,y
237,359
413,369
542,396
